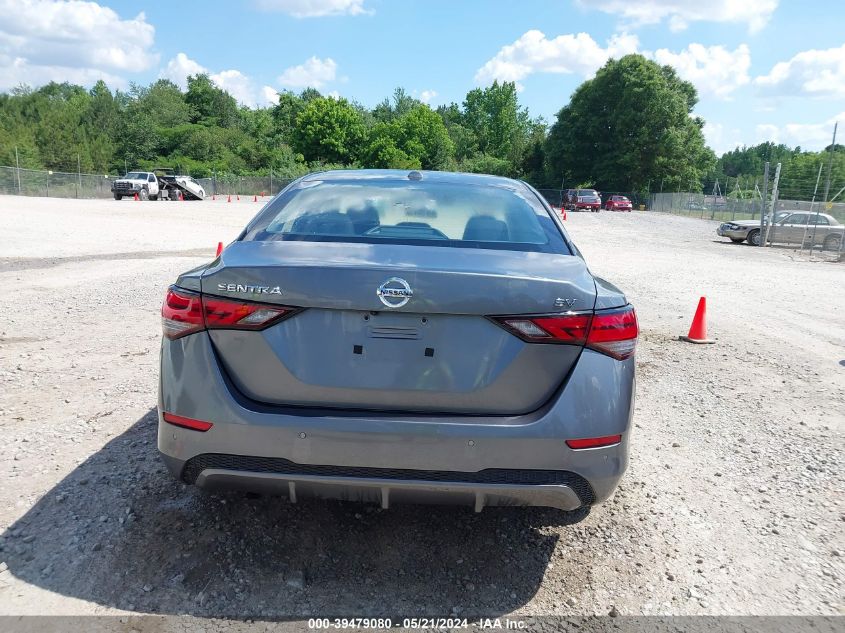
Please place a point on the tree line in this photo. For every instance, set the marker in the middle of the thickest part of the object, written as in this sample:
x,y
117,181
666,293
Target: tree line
x,y
623,130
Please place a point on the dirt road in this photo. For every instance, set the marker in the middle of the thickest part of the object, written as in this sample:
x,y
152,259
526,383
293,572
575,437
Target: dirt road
x,y
733,502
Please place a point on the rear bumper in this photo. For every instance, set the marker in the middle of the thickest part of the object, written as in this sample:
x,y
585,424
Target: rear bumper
x,y
565,491
391,458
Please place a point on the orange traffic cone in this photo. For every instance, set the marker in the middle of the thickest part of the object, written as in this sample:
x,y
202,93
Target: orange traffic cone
x,y
239,197
136,198
255,198
564,215
230,198
698,329
219,249
214,196
181,196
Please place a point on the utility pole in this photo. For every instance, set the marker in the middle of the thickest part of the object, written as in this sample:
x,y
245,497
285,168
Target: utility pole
x,y
818,210
763,197
18,165
770,229
827,186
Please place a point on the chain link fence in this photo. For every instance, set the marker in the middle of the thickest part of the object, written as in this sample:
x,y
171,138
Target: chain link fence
x,y
55,184
228,184
698,205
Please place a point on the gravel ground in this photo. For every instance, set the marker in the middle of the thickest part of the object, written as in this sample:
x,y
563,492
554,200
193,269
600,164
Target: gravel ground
x,y
732,505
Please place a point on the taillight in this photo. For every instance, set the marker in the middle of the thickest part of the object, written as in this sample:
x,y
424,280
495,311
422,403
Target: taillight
x,y
563,328
614,332
611,332
186,312
181,313
241,315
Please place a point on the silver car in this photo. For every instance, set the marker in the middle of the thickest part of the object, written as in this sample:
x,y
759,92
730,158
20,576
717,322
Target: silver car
x,y
789,227
395,336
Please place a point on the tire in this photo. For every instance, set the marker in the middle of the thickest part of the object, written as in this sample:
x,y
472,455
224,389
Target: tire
x,y
737,240
831,243
143,195
754,237
117,196
154,198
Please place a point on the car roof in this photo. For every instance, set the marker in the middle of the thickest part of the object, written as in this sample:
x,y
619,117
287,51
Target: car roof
x,y
402,174
824,215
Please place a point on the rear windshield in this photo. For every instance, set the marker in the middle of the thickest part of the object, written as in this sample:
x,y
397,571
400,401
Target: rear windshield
x,y
588,192
407,212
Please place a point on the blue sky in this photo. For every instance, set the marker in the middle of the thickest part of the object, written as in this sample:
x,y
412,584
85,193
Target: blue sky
x,y
765,69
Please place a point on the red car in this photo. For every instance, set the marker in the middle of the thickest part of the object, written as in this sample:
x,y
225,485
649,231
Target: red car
x,y
618,203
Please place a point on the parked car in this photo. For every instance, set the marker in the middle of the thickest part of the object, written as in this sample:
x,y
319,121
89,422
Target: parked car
x,y
789,227
144,184
381,336
618,203
582,200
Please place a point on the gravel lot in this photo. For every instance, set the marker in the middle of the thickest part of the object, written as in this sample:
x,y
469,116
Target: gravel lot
x,y
732,505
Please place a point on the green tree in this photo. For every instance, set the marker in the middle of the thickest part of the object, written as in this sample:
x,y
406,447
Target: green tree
x,y
401,105
628,126
210,105
494,117
329,130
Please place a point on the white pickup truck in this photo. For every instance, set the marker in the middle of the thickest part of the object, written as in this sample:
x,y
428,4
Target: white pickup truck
x,y
143,183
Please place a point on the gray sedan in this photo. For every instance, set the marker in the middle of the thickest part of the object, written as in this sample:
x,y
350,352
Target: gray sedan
x,y
395,336
790,227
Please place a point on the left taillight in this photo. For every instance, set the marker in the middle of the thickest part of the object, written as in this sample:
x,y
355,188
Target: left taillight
x,y
181,313
185,312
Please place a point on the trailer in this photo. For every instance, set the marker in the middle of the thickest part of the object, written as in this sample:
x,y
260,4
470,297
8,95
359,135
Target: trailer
x,y
176,187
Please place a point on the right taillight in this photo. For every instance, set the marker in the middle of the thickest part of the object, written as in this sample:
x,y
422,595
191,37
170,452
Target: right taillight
x,y
614,332
611,332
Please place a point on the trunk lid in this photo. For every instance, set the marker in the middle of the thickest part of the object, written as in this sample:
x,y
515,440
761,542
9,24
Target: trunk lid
x,y
437,352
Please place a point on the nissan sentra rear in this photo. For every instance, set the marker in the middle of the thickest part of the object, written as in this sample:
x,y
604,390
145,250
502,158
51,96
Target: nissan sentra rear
x,y
394,336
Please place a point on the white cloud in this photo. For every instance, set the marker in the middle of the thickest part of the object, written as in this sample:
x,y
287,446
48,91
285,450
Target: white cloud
x,y
44,40
812,73
313,73
270,95
426,96
713,70
533,52
315,8
720,138
767,132
240,86
680,13
810,136
178,69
